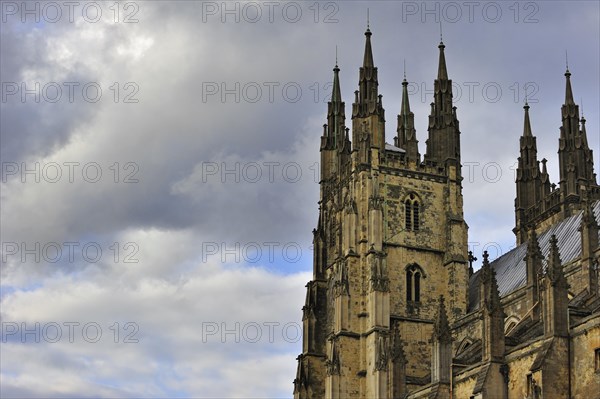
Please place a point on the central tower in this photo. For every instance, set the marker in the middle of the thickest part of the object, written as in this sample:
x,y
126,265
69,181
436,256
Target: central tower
x,y
390,248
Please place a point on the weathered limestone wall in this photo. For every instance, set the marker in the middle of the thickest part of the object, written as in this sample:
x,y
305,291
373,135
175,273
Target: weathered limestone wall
x,y
585,379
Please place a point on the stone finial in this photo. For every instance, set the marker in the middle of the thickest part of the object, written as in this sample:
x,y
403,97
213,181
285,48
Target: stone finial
x,y
397,352
441,326
555,271
490,295
471,259
534,257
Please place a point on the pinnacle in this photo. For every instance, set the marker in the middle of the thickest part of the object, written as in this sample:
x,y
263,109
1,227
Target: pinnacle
x,y
568,91
442,70
527,123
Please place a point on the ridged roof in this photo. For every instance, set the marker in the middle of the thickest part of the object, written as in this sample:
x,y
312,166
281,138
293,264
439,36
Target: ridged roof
x,y
510,268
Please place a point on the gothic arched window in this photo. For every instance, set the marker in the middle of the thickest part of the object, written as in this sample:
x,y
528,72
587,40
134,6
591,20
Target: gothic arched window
x,y
412,210
510,323
413,283
464,345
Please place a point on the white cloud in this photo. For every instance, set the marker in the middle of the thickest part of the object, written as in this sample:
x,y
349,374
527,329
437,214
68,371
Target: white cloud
x,y
210,320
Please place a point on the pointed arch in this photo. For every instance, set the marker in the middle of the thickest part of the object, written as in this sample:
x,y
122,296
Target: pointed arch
x,y
464,344
510,323
412,212
414,275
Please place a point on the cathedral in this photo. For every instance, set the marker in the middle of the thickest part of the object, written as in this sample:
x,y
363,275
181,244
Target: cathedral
x,y
394,308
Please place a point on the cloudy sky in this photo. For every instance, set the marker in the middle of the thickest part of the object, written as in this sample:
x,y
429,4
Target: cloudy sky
x,y
159,166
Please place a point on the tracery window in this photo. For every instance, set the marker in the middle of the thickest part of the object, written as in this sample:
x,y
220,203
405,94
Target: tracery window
x,y
464,345
412,213
510,323
413,283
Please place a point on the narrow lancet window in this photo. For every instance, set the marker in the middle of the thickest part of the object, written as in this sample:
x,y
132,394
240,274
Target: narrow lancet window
x,y
413,283
412,213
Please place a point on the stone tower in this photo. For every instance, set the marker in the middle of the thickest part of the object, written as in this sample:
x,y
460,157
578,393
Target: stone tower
x,y
390,248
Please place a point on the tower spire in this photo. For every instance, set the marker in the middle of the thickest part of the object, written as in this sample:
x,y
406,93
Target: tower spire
x,y
583,132
368,103
568,91
529,179
407,136
575,157
337,108
368,94
336,114
443,143
442,70
405,108
527,123
368,59
336,95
